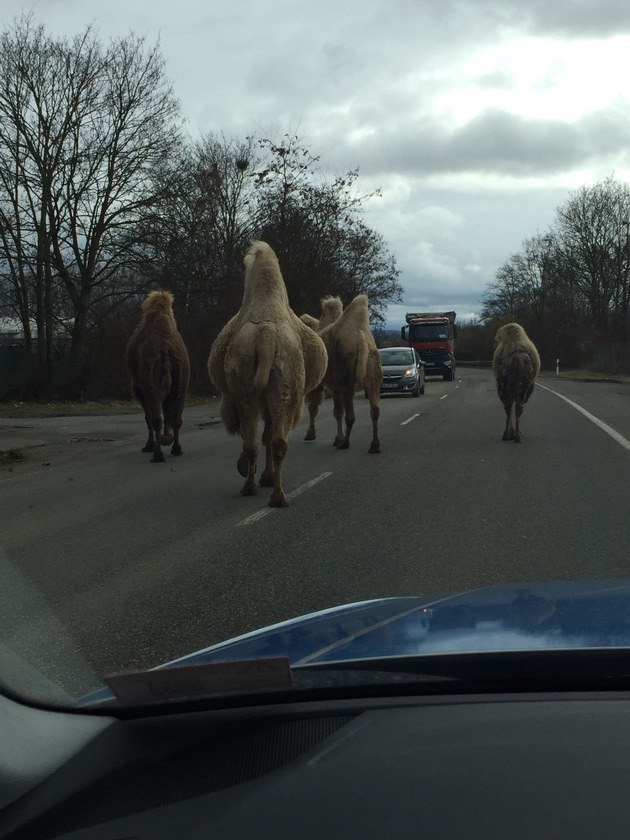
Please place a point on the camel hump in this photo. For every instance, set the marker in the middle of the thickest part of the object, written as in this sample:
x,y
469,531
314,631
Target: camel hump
x,y
261,250
332,307
356,314
266,338
311,322
158,300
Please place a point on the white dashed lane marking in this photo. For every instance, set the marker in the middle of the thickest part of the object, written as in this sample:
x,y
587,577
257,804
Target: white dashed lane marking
x,y
265,511
409,419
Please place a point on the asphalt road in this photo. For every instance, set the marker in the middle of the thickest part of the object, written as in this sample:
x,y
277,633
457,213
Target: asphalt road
x,y
117,563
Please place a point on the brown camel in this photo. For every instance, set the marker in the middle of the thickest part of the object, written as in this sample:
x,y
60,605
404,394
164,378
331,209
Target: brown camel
x,y
159,367
353,363
263,362
516,365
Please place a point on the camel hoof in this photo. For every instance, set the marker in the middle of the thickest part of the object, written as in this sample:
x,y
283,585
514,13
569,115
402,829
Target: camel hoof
x,y
374,450
177,450
266,480
166,440
309,436
158,458
242,465
345,444
148,447
337,442
278,500
249,490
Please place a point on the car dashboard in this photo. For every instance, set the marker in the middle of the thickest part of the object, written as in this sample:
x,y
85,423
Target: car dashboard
x,y
475,766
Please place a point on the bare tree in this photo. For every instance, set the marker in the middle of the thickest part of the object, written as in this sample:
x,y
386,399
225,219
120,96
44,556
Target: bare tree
x,y
84,130
593,232
314,223
504,297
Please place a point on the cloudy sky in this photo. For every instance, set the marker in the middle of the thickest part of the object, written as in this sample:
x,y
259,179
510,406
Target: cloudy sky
x,y
476,118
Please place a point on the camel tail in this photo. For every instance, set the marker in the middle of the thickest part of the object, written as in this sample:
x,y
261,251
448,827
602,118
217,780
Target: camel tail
x,y
521,376
265,355
362,362
163,372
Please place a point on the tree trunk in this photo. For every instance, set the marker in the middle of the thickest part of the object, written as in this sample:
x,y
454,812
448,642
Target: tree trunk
x,y
75,382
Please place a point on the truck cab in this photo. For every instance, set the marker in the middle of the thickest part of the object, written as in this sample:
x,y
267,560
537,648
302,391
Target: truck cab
x,y
432,335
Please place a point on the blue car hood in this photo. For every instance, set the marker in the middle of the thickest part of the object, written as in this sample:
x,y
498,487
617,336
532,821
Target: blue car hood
x,y
557,614
515,617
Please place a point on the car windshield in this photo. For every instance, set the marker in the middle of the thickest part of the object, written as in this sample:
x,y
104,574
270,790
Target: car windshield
x,y
397,357
217,223
427,332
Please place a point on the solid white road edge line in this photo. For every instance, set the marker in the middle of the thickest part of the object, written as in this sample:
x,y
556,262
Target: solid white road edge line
x,y
260,513
604,426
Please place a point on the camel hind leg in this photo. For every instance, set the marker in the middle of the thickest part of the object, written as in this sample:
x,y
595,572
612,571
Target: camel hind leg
x,y
375,413
154,408
173,408
508,432
176,449
348,405
246,464
149,446
313,400
267,479
279,447
338,412
168,413
518,411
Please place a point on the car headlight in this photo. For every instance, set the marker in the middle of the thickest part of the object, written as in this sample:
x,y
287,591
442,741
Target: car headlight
x,y
409,373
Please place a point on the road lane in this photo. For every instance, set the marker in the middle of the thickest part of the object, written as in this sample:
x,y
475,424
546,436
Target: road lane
x,y
144,562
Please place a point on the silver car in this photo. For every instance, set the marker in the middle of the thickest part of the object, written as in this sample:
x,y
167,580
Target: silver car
x,y
403,371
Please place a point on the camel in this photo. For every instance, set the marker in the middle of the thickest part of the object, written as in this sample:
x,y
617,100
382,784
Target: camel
x,y
332,307
516,365
263,363
353,363
159,368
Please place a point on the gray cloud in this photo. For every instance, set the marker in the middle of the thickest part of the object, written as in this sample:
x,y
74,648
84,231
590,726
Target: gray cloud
x,y
495,142
560,18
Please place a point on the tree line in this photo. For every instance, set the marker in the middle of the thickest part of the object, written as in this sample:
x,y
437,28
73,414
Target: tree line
x,y
103,196
570,286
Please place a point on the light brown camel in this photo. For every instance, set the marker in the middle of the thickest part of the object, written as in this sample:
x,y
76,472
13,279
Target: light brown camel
x,y
332,307
353,364
159,367
263,362
516,365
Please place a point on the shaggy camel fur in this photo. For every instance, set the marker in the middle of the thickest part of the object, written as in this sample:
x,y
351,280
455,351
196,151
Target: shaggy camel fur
x,y
332,307
263,362
353,363
516,365
159,367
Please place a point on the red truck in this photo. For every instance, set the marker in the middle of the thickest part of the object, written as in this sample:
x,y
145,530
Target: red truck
x,y
433,334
